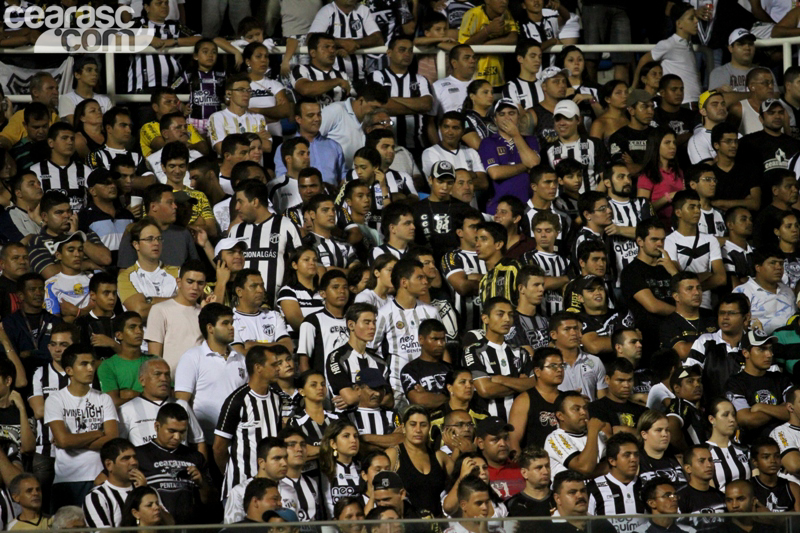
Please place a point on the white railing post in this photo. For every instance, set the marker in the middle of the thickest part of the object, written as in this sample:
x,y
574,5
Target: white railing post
x,y
787,55
441,64
111,77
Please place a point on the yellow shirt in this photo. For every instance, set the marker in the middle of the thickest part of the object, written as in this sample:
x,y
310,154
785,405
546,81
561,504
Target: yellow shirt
x,y
45,522
201,209
490,67
151,130
15,129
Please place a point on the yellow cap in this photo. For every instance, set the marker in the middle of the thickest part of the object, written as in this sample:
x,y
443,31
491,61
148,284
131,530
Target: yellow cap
x,y
705,96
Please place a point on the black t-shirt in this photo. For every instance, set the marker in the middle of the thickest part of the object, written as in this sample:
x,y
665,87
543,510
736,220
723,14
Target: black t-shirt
x,y
627,140
9,301
694,424
541,419
777,499
764,153
90,325
434,225
682,121
675,328
642,381
638,276
521,504
429,375
733,185
616,414
701,504
745,390
667,466
571,294
605,324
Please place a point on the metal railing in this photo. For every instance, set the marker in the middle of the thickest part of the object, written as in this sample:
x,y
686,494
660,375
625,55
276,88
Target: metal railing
x,y
441,59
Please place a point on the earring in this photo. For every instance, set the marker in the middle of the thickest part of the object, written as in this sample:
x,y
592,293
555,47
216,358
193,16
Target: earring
x,y
137,521
335,454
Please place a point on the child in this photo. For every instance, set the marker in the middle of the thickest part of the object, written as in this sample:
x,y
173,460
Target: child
x,y
570,179
87,74
250,30
206,86
545,227
436,33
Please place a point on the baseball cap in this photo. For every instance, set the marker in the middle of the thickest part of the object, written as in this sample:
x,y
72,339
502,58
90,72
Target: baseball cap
x,y
229,243
286,514
443,170
492,425
77,236
638,95
371,377
705,96
552,72
684,372
740,33
566,108
756,338
587,282
182,197
504,102
99,176
387,479
768,103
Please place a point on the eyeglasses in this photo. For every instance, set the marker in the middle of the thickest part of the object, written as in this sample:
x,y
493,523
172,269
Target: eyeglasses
x,y
668,495
709,179
461,425
385,123
556,366
243,90
602,209
151,240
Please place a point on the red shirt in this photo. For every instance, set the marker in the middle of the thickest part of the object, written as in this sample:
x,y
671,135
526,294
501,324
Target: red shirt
x,y
506,480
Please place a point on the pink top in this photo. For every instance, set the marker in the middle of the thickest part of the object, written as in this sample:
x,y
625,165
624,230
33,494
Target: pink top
x,y
670,182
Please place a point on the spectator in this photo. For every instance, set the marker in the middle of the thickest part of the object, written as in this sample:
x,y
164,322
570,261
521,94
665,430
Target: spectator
x,y
137,415
687,426
669,113
208,373
117,131
615,408
627,343
173,128
613,100
661,177
29,327
463,62
786,435
376,424
70,175
768,487
760,85
477,109
67,292
177,473
554,83
685,288
237,118
583,440
283,190
68,517
463,270
703,181
622,455
19,222
772,302
526,90
660,497
536,499
713,112
172,324
788,238
489,24
32,148
593,261
96,325
388,489
103,505
299,490
103,217
235,149
783,186
568,141
737,254
791,99
164,101
78,437
675,52
699,496
383,140
26,492
633,139
324,331
434,216
766,150
319,79
734,186
732,76
44,89
572,502
340,474
731,460
272,466
326,154
740,498
540,400
655,460
253,325
119,375
492,440
530,328
501,272
582,371
465,160
424,378
544,184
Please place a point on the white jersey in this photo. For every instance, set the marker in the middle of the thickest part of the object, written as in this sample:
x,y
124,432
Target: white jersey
x,y
225,122
154,162
788,438
80,414
137,416
450,94
464,158
396,337
694,254
63,288
264,327
712,222
263,95
562,447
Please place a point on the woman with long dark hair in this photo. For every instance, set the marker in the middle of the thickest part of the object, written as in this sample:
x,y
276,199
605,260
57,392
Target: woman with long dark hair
x,y
341,474
379,284
90,135
731,459
268,97
661,176
613,98
581,90
298,297
477,110
143,510
422,469
313,419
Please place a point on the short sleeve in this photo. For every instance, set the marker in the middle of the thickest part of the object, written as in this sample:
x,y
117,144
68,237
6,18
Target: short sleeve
x,y
66,105
186,375
109,409
452,262
320,22
488,154
337,375
408,379
737,395
195,431
307,337
51,303
660,50
281,330
601,376
477,164
39,256
786,439
37,382
472,363
715,253
229,418
216,128
52,409
370,26
156,325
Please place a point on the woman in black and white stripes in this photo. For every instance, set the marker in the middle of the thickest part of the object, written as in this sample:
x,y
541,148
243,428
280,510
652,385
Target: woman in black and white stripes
x,y
298,297
341,474
731,460
313,420
477,110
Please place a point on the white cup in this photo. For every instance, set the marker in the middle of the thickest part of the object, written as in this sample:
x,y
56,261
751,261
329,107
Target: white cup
x,y
136,201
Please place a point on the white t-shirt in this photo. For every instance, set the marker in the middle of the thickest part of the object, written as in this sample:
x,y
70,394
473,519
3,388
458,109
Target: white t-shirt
x,y
264,326
63,288
655,398
561,446
698,257
450,94
339,123
68,102
263,95
464,158
210,378
677,57
788,438
80,414
137,418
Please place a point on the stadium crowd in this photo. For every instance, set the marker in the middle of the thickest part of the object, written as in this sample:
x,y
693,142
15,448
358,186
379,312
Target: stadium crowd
x,y
332,286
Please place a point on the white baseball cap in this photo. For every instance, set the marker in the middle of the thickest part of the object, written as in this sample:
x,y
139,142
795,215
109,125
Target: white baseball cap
x,y
566,108
739,34
229,243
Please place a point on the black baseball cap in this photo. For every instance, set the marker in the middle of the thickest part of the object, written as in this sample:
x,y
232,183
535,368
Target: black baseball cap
x,y
387,480
492,425
371,377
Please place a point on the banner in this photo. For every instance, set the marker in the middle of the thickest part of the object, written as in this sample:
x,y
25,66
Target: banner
x,y
16,80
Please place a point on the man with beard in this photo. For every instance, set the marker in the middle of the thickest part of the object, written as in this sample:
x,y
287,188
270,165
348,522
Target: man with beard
x,y
737,254
772,302
713,110
660,498
626,211
572,503
533,413
699,498
579,443
570,143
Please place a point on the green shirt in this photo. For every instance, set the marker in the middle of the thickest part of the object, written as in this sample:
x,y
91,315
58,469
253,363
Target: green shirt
x,y
117,373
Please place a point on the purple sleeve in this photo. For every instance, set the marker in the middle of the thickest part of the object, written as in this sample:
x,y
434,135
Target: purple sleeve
x,y
488,153
533,143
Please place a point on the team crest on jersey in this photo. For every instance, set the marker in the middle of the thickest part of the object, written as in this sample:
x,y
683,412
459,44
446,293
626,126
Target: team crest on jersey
x,y
626,419
275,238
355,25
269,330
400,325
241,373
415,86
78,288
784,442
766,397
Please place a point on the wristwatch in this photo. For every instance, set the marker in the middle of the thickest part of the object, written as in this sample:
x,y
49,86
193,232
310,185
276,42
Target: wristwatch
x,y
148,300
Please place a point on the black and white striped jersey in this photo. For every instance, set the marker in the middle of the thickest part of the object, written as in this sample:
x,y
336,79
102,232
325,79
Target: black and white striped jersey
x,y
148,71
301,496
390,15
310,428
524,92
345,481
730,463
712,222
386,248
374,421
554,266
344,364
309,301
738,261
467,307
608,497
588,151
290,403
543,30
102,507
71,180
6,509
628,214
320,334
332,252
566,204
407,128
357,24
283,193
246,417
105,156
46,380
778,499
268,244
486,359
563,218
311,73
